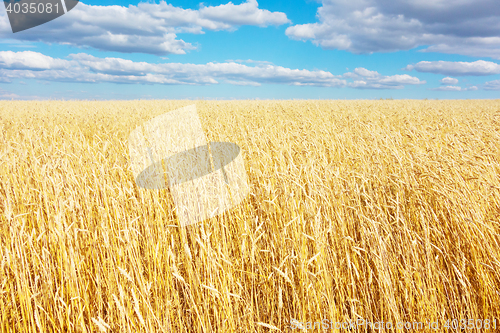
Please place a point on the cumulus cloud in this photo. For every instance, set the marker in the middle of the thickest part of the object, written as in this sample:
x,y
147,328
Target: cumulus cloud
x,y
449,80
457,68
30,60
145,28
246,13
87,68
365,72
366,79
363,26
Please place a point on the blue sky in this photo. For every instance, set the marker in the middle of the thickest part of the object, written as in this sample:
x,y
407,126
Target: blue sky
x,y
302,49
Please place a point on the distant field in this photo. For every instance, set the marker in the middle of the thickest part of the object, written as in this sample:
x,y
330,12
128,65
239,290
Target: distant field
x,y
359,210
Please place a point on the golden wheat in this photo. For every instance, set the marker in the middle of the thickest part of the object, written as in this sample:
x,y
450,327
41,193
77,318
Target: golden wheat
x,y
373,210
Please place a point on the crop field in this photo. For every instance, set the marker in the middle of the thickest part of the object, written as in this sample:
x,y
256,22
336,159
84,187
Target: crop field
x,y
359,211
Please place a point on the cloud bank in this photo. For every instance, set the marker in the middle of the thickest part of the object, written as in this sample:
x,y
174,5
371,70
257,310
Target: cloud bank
x,y
84,67
87,68
366,79
467,27
458,68
145,28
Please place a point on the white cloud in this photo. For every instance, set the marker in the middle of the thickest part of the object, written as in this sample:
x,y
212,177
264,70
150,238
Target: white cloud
x,y
83,67
448,88
401,79
145,28
30,60
455,88
366,79
492,85
365,72
459,68
87,68
247,13
449,80
468,27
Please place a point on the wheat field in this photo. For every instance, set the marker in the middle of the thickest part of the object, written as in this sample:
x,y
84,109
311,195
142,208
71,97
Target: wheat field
x,y
358,210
